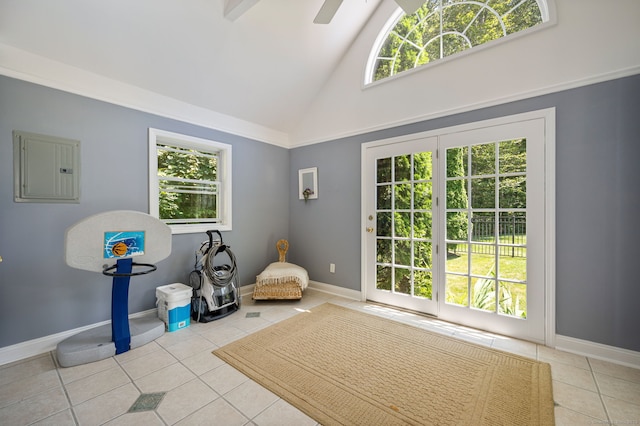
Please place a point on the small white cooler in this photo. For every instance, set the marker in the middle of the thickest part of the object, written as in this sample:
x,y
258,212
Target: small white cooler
x,y
174,305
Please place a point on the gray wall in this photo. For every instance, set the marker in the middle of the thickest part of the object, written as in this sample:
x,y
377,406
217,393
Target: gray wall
x,y
39,294
597,204
597,207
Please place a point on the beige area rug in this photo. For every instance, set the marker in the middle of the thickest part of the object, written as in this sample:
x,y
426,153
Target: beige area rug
x,y
344,367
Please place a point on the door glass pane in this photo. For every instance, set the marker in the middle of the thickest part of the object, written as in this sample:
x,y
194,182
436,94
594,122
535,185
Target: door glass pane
x,y
383,251
513,192
483,260
457,226
422,169
383,170
422,254
457,290
422,196
457,162
422,225
484,227
402,168
423,283
457,194
483,193
383,198
402,281
513,227
511,264
457,259
383,277
513,156
513,299
483,294
402,224
483,159
402,254
383,224
402,193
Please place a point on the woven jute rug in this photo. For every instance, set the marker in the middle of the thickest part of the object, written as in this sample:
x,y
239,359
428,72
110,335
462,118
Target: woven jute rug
x,y
344,367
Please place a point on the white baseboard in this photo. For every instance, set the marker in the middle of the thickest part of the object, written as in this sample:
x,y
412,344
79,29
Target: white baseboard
x,y
48,343
335,290
598,351
45,344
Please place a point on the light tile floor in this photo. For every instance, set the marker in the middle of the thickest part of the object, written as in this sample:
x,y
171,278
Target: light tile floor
x,y
203,390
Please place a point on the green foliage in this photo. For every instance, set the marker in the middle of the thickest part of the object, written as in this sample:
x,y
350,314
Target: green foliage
x,y
443,28
180,199
484,298
404,222
457,221
512,159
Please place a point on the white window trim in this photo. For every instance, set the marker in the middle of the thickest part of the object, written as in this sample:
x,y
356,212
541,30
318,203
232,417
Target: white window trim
x,y
549,18
224,175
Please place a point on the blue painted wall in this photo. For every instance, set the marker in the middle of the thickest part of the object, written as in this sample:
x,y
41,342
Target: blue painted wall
x,y
597,206
597,176
39,294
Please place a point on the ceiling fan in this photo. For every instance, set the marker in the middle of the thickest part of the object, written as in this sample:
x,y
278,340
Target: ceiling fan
x,y
330,7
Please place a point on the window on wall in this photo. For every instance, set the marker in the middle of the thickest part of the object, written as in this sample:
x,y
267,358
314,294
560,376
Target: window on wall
x,y
189,182
442,28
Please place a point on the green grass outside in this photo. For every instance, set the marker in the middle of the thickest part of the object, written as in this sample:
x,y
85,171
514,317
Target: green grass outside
x,y
512,296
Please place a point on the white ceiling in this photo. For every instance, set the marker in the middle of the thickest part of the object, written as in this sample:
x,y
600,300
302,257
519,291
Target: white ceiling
x,y
265,67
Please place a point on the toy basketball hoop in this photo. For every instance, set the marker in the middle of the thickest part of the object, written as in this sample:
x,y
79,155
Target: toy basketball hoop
x,y
94,244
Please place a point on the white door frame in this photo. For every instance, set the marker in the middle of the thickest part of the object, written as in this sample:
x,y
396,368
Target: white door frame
x,y
549,199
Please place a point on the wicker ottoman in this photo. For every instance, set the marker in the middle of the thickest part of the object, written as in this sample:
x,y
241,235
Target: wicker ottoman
x,y
281,280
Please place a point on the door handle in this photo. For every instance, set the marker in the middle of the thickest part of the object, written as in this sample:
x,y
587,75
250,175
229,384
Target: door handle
x,y
369,229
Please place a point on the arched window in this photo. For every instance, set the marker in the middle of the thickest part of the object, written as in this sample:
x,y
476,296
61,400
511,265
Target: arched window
x,y
441,28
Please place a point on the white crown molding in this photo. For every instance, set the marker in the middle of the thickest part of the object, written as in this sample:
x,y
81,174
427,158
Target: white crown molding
x,y
613,75
22,65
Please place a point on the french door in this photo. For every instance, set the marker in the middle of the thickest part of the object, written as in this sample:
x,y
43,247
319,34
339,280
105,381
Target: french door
x,y
400,222
454,225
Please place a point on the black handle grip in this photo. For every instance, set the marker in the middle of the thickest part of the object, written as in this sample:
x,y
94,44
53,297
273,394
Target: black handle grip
x,y
210,234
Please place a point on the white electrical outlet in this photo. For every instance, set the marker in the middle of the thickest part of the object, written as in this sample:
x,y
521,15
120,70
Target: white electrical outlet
x,y
332,268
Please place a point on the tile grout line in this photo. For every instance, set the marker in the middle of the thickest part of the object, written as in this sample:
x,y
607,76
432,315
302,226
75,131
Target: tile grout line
x,y
595,381
64,389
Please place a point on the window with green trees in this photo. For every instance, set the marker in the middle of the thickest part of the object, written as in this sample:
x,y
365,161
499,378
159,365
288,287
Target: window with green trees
x,y
441,28
190,182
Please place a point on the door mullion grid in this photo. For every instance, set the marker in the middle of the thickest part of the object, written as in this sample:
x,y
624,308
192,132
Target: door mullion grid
x,y
496,225
469,226
393,224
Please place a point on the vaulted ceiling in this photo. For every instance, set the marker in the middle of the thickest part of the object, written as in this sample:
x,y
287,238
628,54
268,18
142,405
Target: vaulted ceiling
x,y
260,61
262,68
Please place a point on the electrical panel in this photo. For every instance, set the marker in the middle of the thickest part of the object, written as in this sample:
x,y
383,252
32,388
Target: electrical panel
x,y
46,169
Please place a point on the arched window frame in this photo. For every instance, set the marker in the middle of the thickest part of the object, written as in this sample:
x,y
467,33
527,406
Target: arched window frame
x,y
547,12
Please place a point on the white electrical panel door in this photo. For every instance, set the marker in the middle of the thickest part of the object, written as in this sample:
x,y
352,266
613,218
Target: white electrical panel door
x,y
46,169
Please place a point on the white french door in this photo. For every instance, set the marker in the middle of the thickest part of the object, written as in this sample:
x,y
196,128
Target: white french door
x,y
399,224
454,225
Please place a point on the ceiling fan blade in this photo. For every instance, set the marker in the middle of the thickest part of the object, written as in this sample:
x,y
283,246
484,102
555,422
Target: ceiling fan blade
x,y
328,9
410,6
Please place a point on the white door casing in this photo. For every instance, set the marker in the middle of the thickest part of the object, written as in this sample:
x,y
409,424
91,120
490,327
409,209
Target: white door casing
x,y
538,129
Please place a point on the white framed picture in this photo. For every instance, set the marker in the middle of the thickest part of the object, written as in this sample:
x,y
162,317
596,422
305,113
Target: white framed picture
x,y
308,183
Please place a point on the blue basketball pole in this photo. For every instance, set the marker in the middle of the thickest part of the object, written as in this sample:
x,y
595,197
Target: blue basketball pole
x,y
120,306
